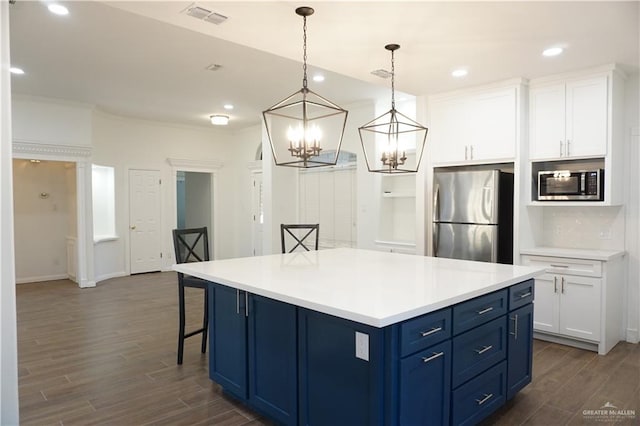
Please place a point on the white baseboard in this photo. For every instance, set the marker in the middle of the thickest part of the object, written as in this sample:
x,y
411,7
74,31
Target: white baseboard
x,y
41,278
110,275
632,335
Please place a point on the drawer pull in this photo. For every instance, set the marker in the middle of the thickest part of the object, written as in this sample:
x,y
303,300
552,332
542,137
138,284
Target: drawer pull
x,y
527,294
430,332
483,350
432,357
484,311
559,266
515,327
487,396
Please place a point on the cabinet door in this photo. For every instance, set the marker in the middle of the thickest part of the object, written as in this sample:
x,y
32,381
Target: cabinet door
x,y
273,378
448,131
228,340
547,115
519,349
579,306
587,117
546,305
493,125
425,386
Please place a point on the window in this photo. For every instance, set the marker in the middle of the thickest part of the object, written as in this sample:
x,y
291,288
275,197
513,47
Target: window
x,y
104,205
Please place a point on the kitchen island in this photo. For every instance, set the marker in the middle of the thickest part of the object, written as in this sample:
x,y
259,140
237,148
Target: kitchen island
x,y
357,337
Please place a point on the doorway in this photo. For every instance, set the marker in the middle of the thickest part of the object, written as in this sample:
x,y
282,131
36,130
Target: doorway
x,y
194,202
144,221
257,213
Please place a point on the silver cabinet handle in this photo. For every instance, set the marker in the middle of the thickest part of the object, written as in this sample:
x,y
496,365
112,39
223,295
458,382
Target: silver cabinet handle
x,y
432,357
470,152
560,148
562,285
246,303
484,311
483,350
466,148
515,327
237,301
568,147
558,266
527,294
487,396
430,332
555,284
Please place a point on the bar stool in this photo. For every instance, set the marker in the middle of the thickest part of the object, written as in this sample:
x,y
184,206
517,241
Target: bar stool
x,y
286,229
191,245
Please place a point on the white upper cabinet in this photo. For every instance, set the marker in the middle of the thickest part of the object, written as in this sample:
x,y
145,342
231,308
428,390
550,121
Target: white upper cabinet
x,y
569,119
479,126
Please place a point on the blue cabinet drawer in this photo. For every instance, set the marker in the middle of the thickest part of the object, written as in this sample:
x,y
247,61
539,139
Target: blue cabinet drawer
x,y
422,332
480,310
478,349
521,294
479,397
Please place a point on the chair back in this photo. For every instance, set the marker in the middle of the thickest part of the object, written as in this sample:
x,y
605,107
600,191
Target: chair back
x,y
191,245
299,236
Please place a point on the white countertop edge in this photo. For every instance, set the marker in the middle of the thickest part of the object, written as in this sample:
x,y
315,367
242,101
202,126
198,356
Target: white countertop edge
x,y
365,319
603,255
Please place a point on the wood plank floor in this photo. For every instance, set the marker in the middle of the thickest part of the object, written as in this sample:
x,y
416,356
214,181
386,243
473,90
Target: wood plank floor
x,y
107,355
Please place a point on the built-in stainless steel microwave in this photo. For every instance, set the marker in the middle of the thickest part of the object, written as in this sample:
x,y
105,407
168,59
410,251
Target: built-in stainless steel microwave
x,y
570,185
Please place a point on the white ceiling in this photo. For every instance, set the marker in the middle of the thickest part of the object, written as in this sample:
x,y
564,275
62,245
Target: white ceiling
x,y
147,59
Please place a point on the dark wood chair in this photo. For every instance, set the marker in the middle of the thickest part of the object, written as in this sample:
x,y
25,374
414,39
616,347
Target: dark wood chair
x,y
191,245
300,239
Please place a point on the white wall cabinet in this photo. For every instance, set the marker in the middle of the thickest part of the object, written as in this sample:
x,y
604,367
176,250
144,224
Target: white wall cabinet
x,y
397,223
477,127
569,119
579,301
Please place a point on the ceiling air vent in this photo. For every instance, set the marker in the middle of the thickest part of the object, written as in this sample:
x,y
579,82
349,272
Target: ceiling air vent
x,y
200,12
381,73
213,67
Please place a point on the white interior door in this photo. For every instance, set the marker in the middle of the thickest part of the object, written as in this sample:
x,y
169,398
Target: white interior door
x,y
257,215
144,220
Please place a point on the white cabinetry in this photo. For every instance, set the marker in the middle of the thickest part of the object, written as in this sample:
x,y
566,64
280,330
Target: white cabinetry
x,y
397,223
474,127
569,119
578,301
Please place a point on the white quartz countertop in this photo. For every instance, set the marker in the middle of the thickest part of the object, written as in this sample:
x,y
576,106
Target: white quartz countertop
x,y
370,287
573,253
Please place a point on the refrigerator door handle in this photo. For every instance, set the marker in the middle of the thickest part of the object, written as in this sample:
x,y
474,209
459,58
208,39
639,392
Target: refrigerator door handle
x,y
436,239
436,203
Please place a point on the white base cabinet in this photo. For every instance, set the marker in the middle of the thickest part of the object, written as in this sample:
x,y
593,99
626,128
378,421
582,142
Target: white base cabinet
x,y
579,301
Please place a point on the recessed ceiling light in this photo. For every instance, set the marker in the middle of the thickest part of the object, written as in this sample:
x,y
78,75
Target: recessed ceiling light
x,y
318,78
219,120
16,70
228,106
460,72
58,9
552,51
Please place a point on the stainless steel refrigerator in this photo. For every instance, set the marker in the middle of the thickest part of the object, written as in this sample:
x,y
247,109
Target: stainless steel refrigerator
x,y
473,215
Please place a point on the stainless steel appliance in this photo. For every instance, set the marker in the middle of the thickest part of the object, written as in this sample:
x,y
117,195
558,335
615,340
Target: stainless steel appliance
x,y
473,215
578,185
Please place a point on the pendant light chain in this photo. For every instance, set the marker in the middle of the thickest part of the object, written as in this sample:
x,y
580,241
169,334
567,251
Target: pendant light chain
x,y
393,78
304,53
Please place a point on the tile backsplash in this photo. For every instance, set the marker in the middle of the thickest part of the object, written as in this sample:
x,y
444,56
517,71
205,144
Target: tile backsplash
x,y
584,227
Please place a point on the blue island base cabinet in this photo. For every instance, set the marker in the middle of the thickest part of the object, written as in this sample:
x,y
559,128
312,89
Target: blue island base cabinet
x,y
454,366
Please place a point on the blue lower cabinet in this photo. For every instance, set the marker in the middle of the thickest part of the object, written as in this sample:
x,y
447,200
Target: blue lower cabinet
x,y
254,351
228,340
520,349
273,367
425,386
480,397
339,384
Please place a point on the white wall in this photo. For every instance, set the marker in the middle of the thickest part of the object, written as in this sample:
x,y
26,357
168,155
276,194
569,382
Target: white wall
x,y
9,414
127,143
41,222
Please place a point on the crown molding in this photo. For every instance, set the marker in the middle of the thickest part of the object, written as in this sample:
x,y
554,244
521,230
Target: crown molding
x,y
33,148
195,164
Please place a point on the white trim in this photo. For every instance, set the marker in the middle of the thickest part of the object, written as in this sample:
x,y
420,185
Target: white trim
x,y
28,149
42,278
633,336
255,165
111,275
188,165
103,239
600,70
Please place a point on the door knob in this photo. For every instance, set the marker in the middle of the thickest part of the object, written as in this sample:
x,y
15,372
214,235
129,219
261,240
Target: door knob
x,y
133,227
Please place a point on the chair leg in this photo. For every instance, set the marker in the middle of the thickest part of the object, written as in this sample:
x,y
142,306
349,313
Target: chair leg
x,y
205,320
182,322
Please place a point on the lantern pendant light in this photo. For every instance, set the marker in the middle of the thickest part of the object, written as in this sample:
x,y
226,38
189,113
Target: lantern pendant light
x,y
392,142
305,130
